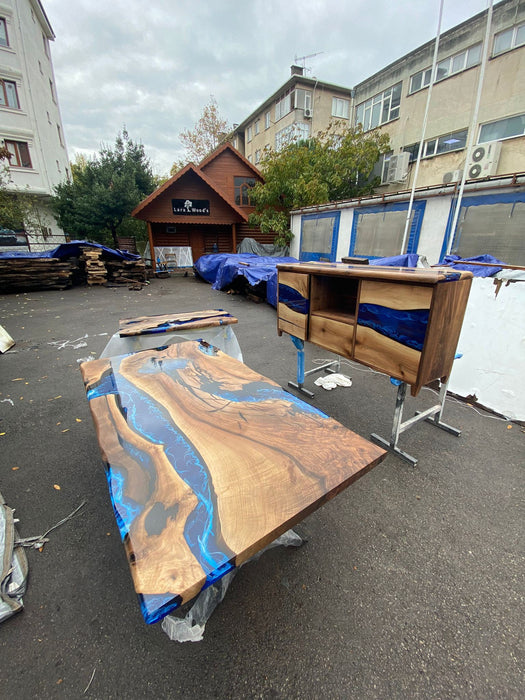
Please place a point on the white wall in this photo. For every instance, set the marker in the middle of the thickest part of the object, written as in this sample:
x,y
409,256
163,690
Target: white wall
x,y
493,345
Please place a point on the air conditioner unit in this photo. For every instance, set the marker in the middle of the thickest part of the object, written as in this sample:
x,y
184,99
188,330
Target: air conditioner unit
x,y
397,170
452,176
308,113
484,160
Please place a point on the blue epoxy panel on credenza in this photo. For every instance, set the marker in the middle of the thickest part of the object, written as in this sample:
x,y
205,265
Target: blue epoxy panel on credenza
x,y
207,462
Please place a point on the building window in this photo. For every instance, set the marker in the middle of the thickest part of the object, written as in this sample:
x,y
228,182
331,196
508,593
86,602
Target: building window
x,y
413,149
257,156
249,158
52,89
509,39
58,166
420,80
492,224
502,129
249,134
18,154
380,109
443,144
378,231
267,121
458,62
46,45
283,106
257,126
59,131
242,187
303,99
4,39
340,108
8,94
319,234
291,134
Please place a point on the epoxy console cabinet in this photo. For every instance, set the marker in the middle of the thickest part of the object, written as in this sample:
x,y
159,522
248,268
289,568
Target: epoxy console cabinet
x,y
404,322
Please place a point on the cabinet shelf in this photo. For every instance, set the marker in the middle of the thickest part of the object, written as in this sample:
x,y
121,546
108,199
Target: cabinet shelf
x,y
335,315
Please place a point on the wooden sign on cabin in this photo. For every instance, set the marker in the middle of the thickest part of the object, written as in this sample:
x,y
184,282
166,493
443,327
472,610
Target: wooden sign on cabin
x,y
191,207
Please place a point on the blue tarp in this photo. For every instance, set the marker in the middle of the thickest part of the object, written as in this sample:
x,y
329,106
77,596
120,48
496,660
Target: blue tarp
x,y
221,269
70,250
477,271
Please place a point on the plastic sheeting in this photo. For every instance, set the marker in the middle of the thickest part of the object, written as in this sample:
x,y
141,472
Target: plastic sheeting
x,y
222,337
250,245
13,565
477,270
71,250
406,260
191,627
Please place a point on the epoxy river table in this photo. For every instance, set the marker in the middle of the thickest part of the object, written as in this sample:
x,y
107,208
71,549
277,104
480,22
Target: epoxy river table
x,y
207,462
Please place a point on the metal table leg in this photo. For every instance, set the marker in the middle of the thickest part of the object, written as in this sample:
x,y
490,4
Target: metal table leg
x,y
301,374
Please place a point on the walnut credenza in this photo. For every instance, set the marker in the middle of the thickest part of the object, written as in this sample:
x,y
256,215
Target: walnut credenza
x,y
404,322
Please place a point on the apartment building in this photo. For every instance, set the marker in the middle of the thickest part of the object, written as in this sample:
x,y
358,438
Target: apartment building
x,y
30,123
300,108
394,100
487,214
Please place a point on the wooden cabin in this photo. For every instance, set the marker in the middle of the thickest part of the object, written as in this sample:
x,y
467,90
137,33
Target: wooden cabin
x,y
205,206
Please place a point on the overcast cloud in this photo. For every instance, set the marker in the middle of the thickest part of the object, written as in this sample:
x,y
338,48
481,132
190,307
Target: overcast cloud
x,y
153,66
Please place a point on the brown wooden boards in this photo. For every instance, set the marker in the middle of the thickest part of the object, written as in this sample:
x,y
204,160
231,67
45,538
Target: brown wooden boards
x,y
164,323
207,462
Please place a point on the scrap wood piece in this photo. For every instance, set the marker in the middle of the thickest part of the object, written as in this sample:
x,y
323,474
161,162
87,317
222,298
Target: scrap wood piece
x,y
163,323
207,462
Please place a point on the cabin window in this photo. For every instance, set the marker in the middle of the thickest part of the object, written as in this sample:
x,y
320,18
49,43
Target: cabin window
x,y
243,185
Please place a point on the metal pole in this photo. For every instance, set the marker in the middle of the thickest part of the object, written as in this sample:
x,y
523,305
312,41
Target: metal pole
x,y
472,127
423,130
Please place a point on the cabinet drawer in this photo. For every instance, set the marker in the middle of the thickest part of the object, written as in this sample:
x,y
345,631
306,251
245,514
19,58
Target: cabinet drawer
x,y
386,355
291,322
332,335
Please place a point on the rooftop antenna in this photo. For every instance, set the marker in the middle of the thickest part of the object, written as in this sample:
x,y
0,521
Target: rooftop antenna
x,y
301,60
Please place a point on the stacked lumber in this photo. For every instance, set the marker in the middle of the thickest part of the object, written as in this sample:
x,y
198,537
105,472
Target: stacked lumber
x,y
18,274
125,271
95,269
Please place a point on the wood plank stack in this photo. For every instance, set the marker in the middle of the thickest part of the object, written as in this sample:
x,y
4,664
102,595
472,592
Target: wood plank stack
x,y
95,269
18,274
125,271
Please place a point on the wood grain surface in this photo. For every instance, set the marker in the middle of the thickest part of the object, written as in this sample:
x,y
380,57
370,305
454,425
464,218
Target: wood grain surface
x,y
164,323
208,462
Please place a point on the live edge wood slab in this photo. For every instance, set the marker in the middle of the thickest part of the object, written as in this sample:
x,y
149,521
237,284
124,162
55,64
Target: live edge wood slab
x,y
207,462
164,323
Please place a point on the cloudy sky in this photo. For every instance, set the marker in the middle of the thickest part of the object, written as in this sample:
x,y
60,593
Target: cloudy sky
x,y
153,66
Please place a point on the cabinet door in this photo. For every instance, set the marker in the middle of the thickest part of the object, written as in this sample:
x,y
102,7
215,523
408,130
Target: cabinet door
x,y
392,322
293,303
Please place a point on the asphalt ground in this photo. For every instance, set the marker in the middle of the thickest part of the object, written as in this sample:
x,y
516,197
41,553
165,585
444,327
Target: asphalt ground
x,y
411,584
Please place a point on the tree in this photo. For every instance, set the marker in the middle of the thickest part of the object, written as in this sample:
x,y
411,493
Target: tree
x,y
103,191
205,136
322,169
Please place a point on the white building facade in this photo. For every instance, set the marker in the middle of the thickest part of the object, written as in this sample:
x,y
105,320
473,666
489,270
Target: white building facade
x,y
30,122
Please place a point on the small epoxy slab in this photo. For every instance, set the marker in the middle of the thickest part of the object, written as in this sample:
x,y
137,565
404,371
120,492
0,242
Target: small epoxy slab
x,y
163,323
208,462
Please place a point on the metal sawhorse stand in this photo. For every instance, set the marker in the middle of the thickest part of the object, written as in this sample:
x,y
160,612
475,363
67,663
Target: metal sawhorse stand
x,y
432,415
301,374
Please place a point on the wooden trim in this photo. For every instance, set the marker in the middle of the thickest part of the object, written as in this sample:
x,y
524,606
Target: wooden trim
x,y
151,246
234,237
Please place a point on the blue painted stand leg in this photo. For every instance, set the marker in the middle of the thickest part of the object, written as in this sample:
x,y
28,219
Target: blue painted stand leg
x,y
432,415
301,374
299,385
